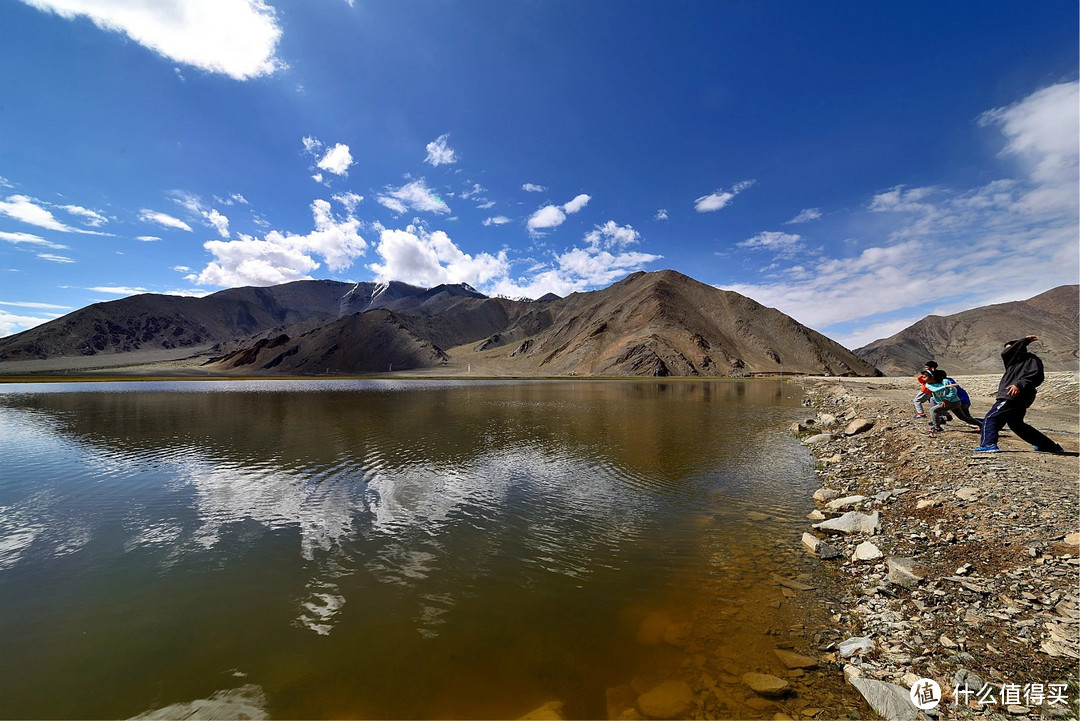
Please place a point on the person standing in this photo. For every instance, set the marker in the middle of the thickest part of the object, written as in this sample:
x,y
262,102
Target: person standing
x,y
924,393
1016,392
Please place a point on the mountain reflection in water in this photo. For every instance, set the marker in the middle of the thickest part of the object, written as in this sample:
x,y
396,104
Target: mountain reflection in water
x,y
367,548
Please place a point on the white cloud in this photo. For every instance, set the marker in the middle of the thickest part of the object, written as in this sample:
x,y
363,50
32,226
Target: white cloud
x,y
497,220
284,257
31,239
164,219
181,269
52,258
416,196
219,221
11,323
547,217
805,216
533,188
117,290
30,211
147,238
552,216
661,214
349,199
237,38
427,259
773,240
577,269
720,198
439,153
609,235
337,160
577,203
91,217
1042,129
899,200
39,306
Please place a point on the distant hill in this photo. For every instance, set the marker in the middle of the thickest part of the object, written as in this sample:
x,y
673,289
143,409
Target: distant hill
x,y
649,324
970,342
154,322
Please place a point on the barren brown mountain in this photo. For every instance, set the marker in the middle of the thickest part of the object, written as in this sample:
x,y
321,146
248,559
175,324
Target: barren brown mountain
x,y
970,342
651,324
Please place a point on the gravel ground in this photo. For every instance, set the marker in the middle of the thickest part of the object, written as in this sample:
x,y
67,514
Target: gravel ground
x,y
991,543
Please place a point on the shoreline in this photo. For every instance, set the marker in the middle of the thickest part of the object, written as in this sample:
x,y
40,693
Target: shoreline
x,y
967,570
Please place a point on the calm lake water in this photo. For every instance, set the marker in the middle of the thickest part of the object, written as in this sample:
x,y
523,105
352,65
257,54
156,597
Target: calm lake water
x,y
382,549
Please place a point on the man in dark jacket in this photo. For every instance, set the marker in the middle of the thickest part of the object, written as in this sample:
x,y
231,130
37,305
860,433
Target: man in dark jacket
x,y
1016,392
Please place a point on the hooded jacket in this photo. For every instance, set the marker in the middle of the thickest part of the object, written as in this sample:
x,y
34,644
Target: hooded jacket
x,y
1023,370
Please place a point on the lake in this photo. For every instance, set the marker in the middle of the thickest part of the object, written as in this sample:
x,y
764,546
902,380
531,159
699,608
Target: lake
x,y
390,549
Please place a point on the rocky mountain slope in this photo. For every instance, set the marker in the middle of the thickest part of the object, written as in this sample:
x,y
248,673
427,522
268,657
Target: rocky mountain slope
x,y
651,324
970,342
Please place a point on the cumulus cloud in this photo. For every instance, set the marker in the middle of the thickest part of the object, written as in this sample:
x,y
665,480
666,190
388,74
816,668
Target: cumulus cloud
x,y
533,188
609,235
11,323
721,198
237,38
336,160
283,257
805,216
194,205
413,196
439,153
1006,240
552,216
163,219
424,258
497,220
661,214
32,212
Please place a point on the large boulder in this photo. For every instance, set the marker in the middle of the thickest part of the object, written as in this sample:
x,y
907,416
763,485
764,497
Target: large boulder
x,y
851,522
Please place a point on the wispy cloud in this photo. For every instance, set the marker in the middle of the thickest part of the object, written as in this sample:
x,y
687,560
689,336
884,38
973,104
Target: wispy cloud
x,y
415,196
805,216
32,212
52,258
720,198
30,239
237,38
661,214
439,152
1006,240
116,290
533,188
90,217
497,220
163,219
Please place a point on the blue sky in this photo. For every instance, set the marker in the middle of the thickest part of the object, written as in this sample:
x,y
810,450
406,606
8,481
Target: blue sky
x,y
856,165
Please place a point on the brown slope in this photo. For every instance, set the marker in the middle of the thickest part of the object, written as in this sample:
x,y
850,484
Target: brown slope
x,y
970,342
372,342
665,323
151,322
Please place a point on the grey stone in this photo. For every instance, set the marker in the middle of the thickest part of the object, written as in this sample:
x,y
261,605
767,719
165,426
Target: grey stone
x,y
867,551
851,522
823,550
857,426
845,502
902,572
824,495
827,419
968,493
889,700
818,438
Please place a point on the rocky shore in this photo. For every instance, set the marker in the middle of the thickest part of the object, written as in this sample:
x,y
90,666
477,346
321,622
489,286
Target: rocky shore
x,y
947,565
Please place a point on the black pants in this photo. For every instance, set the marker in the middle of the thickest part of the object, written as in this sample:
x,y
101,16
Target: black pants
x,y
1011,413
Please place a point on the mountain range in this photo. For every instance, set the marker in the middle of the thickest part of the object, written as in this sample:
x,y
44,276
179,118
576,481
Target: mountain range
x,y
648,324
